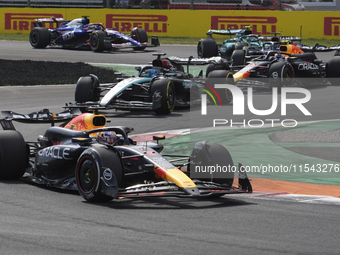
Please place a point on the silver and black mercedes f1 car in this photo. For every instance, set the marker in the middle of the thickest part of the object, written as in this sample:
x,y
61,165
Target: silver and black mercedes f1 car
x,y
103,163
159,87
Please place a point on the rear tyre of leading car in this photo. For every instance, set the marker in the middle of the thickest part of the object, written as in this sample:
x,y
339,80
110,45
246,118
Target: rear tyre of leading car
x,y
40,37
13,155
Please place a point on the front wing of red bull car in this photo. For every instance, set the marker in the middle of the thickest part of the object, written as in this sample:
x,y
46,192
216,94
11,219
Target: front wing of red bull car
x,y
148,173
103,163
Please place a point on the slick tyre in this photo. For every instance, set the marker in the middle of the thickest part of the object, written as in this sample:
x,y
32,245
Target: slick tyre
x,y
13,155
239,46
281,74
222,77
97,41
207,48
141,36
165,89
40,37
238,58
87,89
332,71
88,172
213,155
210,68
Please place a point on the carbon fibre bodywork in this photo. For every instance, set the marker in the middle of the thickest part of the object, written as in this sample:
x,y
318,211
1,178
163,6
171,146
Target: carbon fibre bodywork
x,y
81,34
290,66
159,87
71,157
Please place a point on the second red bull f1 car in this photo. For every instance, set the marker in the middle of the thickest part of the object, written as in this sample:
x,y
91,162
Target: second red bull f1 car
x,y
290,66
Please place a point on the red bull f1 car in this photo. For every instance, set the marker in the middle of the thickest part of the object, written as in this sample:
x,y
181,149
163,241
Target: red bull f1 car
x,y
290,66
81,34
104,163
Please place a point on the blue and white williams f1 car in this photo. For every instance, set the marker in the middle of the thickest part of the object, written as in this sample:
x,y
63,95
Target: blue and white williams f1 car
x,y
81,34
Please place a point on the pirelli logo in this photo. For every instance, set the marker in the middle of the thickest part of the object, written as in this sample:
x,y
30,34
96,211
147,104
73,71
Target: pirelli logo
x,y
331,26
24,21
260,25
125,23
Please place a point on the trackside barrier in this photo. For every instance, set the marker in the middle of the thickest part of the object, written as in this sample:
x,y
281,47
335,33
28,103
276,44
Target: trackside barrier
x,y
184,23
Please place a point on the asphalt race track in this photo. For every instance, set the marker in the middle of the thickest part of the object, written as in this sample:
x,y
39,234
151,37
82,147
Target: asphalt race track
x,y
36,220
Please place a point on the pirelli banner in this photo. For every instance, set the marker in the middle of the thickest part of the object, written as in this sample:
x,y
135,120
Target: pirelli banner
x,y
184,23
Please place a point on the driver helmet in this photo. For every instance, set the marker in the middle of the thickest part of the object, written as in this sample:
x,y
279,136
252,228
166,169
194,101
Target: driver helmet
x,y
108,137
251,39
276,46
279,56
152,72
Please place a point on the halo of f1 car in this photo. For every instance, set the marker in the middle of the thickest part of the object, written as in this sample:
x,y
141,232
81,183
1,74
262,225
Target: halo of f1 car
x,y
158,87
103,163
81,34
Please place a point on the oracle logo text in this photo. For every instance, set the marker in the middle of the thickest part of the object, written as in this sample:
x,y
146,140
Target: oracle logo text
x,y
125,23
260,25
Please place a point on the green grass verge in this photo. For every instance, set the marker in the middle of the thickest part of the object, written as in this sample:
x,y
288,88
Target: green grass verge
x,y
176,40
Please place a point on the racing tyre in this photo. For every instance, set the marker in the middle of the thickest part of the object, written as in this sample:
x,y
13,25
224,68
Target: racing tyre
x,y
141,36
91,166
222,77
332,71
238,58
239,46
13,155
87,89
203,157
165,89
207,48
97,41
210,68
281,74
40,37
